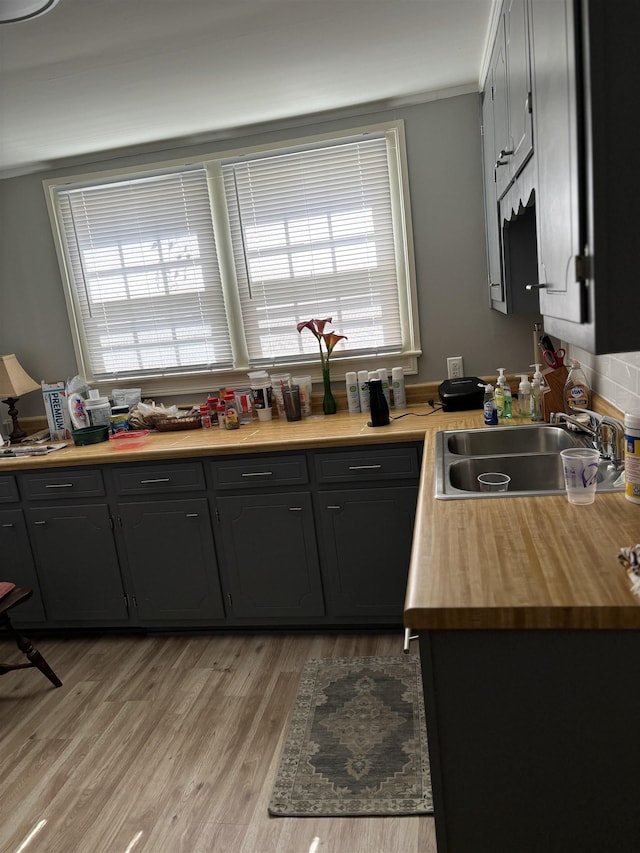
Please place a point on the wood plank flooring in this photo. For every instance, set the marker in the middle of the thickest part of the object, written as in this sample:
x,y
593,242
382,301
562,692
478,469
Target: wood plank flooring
x,y
170,744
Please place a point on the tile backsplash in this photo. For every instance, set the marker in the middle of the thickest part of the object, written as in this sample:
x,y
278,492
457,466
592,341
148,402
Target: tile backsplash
x,y
616,377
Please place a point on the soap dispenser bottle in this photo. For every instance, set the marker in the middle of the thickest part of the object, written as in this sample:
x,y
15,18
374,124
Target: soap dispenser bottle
x,y
489,406
536,400
577,393
524,396
499,392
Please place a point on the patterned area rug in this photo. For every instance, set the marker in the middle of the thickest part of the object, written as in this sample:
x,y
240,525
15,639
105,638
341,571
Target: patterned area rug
x,y
357,743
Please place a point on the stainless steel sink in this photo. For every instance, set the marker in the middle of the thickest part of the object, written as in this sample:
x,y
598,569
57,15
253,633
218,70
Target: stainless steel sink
x,y
513,439
529,454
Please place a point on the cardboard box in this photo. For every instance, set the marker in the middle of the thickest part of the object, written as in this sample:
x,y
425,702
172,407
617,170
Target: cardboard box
x,y
55,405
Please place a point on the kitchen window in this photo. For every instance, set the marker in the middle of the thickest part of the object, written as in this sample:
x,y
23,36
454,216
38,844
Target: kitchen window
x,y
189,268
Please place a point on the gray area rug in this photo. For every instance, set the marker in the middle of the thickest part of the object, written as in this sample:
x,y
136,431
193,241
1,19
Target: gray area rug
x,y
357,743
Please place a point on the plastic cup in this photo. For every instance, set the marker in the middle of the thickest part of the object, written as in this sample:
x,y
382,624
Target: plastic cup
x,y
243,405
265,414
493,481
291,398
580,474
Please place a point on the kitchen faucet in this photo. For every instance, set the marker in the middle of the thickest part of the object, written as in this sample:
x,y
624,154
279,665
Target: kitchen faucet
x,y
607,433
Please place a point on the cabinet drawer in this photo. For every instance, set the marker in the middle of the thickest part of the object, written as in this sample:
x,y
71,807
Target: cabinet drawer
x,y
159,478
63,484
263,471
364,465
8,489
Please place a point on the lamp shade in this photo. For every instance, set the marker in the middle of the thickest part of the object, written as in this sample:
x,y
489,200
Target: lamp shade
x,y
14,381
21,10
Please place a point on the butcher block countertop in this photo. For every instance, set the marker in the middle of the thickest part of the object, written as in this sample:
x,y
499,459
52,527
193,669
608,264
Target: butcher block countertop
x,y
499,563
519,563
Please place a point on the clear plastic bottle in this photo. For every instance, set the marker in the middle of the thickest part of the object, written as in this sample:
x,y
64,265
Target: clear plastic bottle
x,y
524,396
508,401
499,392
489,406
536,400
231,412
577,394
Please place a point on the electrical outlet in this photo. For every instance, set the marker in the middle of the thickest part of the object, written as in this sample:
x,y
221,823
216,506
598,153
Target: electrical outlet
x,y
455,369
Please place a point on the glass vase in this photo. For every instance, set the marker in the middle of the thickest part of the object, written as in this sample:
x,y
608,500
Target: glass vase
x,y
328,401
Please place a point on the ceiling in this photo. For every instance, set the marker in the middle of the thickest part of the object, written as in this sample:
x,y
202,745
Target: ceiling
x,y
97,76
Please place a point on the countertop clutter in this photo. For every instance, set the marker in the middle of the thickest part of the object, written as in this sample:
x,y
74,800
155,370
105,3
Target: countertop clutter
x,y
522,562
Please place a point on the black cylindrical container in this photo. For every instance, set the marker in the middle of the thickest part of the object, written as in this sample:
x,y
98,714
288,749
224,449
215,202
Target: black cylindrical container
x,y
378,404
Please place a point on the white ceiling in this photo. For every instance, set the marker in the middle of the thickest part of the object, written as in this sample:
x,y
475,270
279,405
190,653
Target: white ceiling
x,y
100,75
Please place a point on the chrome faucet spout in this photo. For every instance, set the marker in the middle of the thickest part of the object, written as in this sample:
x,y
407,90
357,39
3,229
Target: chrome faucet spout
x,y
607,433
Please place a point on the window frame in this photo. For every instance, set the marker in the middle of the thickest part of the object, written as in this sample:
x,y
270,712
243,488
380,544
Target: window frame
x,y
213,162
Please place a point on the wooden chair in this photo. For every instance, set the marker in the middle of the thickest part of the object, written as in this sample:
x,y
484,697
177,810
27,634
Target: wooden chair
x,y
12,597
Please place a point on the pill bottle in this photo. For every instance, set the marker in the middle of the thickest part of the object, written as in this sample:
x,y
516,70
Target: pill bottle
x,y
632,457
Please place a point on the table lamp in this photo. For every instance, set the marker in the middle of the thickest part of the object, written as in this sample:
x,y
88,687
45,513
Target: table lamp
x,y
14,382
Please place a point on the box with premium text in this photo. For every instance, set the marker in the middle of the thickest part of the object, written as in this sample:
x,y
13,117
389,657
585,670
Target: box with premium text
x,y
55,405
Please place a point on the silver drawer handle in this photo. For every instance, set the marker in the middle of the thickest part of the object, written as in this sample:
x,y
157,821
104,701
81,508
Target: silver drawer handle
x,y
408,637
158,480
333,506
8,525
258,474
363,467
39,522
295,509
58,485
192,515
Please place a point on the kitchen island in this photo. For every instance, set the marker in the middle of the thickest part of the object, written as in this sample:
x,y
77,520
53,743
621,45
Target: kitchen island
x,y
530,641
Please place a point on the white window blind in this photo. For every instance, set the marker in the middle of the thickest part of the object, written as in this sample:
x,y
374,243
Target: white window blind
x,y
146,285
312,233
185,268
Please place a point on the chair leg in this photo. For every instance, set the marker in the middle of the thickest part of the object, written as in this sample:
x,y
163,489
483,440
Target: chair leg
x,y
34,656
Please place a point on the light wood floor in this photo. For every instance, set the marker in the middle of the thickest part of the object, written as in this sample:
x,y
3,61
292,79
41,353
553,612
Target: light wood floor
x,y
169,745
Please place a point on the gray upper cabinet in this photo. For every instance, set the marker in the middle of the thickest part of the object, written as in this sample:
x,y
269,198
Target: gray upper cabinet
x,y
556,135
507,132
585,80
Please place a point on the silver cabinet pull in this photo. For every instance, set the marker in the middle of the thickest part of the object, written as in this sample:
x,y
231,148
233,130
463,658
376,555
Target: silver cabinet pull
x,y
333,506
257,474
295,509
157,480
408,637
8,525
58,485
39,522
363,467
192,515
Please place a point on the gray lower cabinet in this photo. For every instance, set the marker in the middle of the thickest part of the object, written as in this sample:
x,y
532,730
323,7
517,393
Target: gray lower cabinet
x,y
268,556
365,541
18,565
78,564
171,561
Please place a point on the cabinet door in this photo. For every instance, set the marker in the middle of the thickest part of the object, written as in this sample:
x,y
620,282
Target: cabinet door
x,y
172,562
270,563
366,546
18,565
78,564
495,278
519,80
497,80
556,145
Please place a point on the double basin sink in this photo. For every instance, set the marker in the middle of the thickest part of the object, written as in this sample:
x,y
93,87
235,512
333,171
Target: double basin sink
x,y
528,453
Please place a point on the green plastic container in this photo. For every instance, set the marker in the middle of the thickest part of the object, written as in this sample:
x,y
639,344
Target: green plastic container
x,y
90,435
